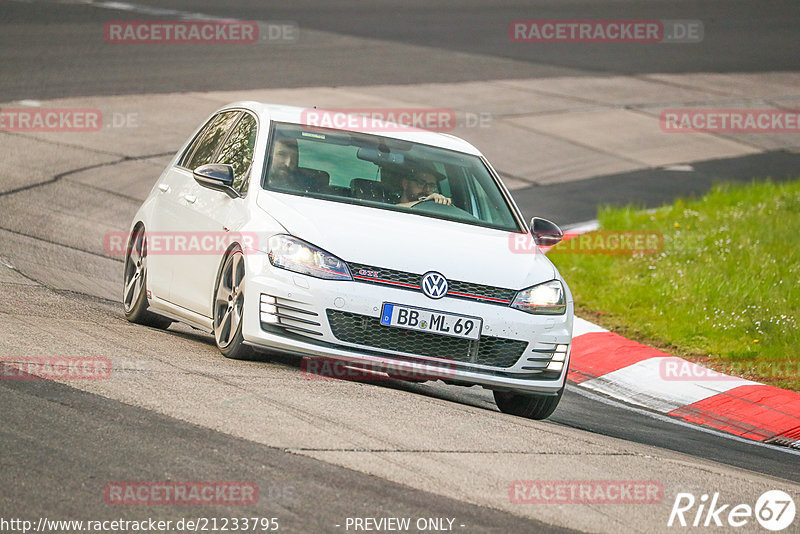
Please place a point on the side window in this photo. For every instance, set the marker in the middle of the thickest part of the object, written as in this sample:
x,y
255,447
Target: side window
x,y
238,151
184,161
206,144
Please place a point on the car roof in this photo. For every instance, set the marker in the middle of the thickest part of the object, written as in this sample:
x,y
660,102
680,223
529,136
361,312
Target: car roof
x,y
298,115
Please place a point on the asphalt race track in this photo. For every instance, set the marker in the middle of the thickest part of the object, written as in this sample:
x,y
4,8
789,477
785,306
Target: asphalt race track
x,y
47,52
323,451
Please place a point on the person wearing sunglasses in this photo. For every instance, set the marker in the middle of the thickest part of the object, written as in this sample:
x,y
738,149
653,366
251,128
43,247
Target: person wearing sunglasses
x,y
419,187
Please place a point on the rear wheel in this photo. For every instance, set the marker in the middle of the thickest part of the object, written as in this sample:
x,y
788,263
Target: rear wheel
x,y
526,405
229,308
134,294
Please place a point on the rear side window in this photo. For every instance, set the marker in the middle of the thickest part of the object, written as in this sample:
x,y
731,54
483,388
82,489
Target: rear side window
x,y
238,151
205,144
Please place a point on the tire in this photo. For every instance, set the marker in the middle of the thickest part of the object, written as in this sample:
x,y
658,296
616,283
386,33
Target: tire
x,y
228,308
134,283
529,406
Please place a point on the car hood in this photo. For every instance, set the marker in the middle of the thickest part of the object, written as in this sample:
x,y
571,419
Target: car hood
x,y
408,242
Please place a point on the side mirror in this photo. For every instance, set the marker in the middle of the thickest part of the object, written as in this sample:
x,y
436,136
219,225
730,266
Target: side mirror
x,y
545,233
216,176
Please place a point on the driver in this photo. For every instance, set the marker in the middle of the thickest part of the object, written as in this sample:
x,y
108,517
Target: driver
x,y
419,187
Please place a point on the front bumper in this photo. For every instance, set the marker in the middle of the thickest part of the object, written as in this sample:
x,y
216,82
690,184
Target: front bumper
x,y
302,315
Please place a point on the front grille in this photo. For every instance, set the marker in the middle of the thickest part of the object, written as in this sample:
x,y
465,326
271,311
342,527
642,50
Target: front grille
x,y
368,331
411,281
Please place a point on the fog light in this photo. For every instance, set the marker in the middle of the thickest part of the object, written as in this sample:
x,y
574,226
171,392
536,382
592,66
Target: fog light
x,y
555,366
267,299
559,357
269,308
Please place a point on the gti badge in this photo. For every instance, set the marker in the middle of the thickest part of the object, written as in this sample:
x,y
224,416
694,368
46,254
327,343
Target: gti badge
x,y
434,285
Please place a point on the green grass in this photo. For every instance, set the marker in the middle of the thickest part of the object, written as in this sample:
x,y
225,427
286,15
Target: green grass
x,y
724,291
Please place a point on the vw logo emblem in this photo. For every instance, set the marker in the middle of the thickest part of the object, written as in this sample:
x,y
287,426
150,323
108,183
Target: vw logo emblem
x,y
434,285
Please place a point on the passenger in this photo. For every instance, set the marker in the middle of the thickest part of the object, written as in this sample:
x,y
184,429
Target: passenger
x,y
419,187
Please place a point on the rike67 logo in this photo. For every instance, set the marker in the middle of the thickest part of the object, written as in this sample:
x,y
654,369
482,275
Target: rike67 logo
x,y
774,510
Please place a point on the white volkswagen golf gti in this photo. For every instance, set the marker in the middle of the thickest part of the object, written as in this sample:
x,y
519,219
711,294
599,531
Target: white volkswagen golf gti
x,y
389,249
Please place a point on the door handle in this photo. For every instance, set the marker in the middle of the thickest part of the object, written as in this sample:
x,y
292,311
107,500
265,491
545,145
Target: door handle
x,y
190,198
163,187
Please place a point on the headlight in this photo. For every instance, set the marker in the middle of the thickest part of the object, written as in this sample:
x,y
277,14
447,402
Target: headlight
x,y
290,253
546,299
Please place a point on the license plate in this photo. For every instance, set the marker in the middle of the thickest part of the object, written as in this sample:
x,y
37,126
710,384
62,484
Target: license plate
x,y
435,322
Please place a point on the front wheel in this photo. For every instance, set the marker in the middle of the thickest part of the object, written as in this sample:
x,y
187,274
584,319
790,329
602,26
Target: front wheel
x,y
134,298
229,308
526,405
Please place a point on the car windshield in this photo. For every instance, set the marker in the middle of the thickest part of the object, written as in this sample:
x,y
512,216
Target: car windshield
x,y
385,173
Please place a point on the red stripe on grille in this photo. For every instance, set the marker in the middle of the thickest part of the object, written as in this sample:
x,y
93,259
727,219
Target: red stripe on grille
x,y
478,297
385,281
382,281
